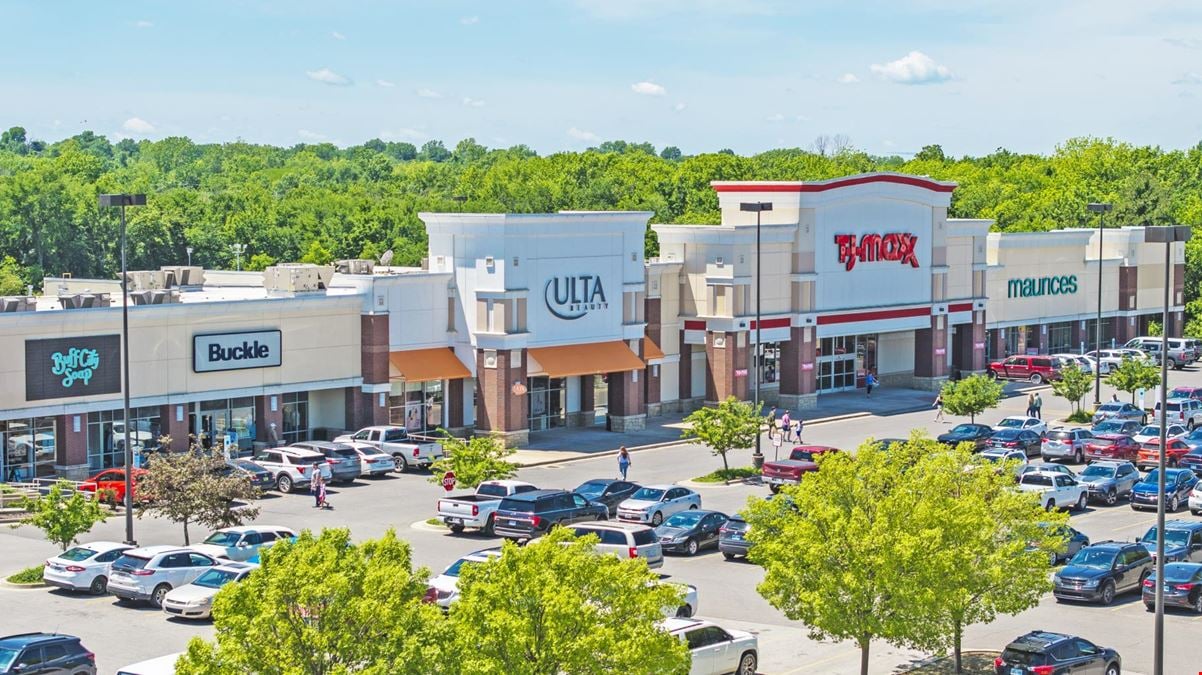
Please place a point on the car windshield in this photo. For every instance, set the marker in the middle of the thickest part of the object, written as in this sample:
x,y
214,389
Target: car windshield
x,y
1171,537
1011,422
491,490
643,537
1111,407
1181,393
1036,479
737,525
1149,431
801,455
1059,436
215,578
7,656
592,487
684,519
1022,657
1173,407
457,566
1006,433
1093,558
1098,471
648,494
348,453
963,429
250,466
129,562
1153,477
76,554
223,538
1108,428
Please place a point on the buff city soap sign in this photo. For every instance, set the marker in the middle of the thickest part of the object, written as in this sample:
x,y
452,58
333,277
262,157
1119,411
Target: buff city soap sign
x,y
572,297
74,366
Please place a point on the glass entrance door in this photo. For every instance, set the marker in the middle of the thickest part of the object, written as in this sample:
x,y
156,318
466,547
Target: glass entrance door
x,y
843,361
837,373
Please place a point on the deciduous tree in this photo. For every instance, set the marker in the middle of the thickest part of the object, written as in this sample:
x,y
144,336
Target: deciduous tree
x,y
63,518
473,460
1134,374
1073,385
732,424
189,487
971,395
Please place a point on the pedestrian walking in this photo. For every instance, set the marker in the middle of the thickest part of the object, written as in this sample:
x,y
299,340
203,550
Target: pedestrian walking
x,y
800,426
772,422
1114,398
939,407
623,461
786,426
315,486
1030,405
321,495
869,383
1038,407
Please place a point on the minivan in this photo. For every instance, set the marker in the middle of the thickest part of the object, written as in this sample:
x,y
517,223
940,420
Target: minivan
x,y
625,540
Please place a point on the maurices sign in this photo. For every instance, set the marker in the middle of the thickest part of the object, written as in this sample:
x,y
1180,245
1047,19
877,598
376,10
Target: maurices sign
x,y
572,297
72,366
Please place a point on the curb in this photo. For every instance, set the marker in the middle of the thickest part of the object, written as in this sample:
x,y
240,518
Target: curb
x,y
427,527
5,583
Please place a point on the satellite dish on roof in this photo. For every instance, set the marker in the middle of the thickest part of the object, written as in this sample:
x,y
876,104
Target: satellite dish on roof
x,y
386,258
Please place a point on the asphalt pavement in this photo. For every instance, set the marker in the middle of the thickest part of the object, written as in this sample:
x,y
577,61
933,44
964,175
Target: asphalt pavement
x,y
120,635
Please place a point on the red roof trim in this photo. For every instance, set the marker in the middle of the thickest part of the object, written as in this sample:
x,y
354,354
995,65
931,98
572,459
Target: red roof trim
x,y
833,185
694,325
782,322
962,307
878,315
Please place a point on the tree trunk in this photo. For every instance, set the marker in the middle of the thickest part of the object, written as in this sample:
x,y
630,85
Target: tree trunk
x,y
186,542
959,635
725,464
864,645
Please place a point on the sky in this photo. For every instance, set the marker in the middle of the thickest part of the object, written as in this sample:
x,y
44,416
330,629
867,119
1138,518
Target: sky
x,y
749,75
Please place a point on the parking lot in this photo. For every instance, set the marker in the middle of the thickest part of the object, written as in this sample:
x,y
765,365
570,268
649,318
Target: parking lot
x,y
122,634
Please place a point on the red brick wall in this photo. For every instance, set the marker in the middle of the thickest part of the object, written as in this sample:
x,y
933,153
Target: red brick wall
x,y
685,371
499,409
179,431
72,447
374,358
720,381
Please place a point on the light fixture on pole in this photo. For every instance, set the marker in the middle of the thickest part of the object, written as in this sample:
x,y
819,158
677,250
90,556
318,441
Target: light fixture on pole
x,y
122,201
1168,236
238,250
1101,209
758,208
189,250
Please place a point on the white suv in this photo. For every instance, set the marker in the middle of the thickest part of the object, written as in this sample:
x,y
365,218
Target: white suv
x,y
242,543
149,573
715,649
293,467
1183,411
625,540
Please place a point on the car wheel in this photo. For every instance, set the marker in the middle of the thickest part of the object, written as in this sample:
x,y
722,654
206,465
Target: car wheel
x,y
693,507
728,556
1112,497
1107,592
1079,457
774,489
993,374
1050,505
488,526
1112,669
1036,378
684,612
283,483
747,664
1196,512
1173,503
657,519
691,547
1081,502
160,592
1198,604
399,463
456,529
99,585
1189,426
1053,559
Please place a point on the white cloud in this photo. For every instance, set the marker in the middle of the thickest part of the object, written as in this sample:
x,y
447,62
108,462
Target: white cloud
x,y
802,118
337,36
404,133
582,135
777,117
137,125
1187,43
1189,78
327,76
913,68
648,89
679,106
385,83
143,23
310,135
428,93
848,78
470,20
472,102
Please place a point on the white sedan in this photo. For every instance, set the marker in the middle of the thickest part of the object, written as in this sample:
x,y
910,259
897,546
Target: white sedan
x,y
1022,422
195,600
1152,432
996,455
654,503
444,588
84,567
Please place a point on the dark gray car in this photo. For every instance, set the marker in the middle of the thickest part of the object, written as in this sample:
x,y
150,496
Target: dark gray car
x,y
1107,481
342,458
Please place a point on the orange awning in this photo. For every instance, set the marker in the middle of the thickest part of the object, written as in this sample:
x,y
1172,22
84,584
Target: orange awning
x,y
589,359
423,365
651,351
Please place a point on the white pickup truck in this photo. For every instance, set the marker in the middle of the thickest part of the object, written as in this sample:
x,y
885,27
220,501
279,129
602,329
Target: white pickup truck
x,y
477,510
1055,490
407,451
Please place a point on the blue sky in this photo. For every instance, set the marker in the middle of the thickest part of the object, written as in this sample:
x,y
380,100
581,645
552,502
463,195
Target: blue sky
x,y
750,75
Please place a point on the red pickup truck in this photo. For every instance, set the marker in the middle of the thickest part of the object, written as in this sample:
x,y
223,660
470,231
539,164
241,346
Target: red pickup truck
x,y
789,471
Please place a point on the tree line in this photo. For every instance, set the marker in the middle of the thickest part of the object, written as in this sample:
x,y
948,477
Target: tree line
x,y
319,202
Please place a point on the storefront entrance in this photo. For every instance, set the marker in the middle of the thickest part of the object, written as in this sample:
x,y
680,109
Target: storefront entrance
x,y
600,398
29,449
547,396
234,419
844,361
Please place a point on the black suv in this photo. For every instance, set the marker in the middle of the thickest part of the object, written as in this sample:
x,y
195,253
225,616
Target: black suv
x,y
1099,572
530,514
1047,653
45,653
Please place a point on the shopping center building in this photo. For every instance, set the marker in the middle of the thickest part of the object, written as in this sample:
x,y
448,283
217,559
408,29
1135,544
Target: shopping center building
x,y
518,323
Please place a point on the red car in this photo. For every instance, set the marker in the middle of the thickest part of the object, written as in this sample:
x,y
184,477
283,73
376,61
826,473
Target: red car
x,y
1111,447
789,471
1037,369
111,482
1149,454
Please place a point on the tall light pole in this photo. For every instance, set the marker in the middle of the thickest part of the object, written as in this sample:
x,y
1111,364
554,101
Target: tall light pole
x,y
189,250
238,250
1168,236
1100,208
757,459
122,201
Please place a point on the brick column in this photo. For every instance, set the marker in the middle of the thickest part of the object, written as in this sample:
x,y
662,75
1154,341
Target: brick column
x,y
627,407
265,416
685,371
930,354
1125,328
71,447
798,381
722,362
500,411
179,431
651,389
997,343
452,398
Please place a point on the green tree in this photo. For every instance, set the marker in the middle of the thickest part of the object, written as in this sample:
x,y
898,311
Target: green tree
x,y
1155,329
977,547
258,262
435,151
670,153
1073,385
474,460
971,395
557,606
324,605
317,254
1134,374
732,424
930,153
188,487
11,282
60,517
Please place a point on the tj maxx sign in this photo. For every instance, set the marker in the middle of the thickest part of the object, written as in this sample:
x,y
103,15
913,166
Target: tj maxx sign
x,y
893,247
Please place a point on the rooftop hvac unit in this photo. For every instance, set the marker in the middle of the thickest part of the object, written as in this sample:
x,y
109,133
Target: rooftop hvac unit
x,y
147,280
139,297
18,303
297,278
355,266
183,275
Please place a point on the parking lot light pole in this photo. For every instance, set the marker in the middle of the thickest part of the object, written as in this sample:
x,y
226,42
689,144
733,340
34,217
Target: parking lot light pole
x,y
122,201
1168,236
758,208
1100,208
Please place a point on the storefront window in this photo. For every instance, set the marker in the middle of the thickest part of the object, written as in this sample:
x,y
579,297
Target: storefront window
x,y
1060,338
30,449
106,435
1091,335
1016,340
600,398
417,406
770,363
296,416
547,396
844,361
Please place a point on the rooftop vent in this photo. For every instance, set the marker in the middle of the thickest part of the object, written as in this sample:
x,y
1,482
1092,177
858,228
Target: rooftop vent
x,y
355,266
146,280
183,275
84,300
18,303
156,297
297,278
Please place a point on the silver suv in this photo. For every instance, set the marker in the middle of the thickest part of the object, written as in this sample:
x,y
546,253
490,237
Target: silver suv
x,y
1180,353
149,573
1065,444
625,540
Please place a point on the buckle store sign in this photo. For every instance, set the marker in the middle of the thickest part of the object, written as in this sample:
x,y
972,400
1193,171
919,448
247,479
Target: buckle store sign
x,y
572,297
893,247
76,366
236,351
